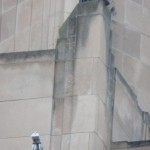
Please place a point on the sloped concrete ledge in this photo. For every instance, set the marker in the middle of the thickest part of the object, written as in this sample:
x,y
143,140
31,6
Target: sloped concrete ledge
x,y
29,56
136,144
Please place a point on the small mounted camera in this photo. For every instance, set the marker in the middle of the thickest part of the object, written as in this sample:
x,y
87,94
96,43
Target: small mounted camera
x,y
37,145
36,138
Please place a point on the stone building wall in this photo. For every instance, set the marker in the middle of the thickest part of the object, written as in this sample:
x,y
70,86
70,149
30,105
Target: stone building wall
x,y
80,117
31,24
131,51
26,98
69,99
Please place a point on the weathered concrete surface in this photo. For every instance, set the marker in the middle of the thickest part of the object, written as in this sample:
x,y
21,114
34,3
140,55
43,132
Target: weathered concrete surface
x,y
130,44
128,118
79,117
26,85
138,145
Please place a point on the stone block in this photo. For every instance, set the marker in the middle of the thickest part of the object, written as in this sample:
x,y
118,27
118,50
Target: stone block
x,y
132,41
52,7
45,34
72,27
59,6
102,122
65,144
37,11
91,37
55,143
145,46
70,5
8,24
21,118
118,59
118,31
51,35
0,8
57,19
145,22
68,114
8,4
36,37
143,79
133,16
126,40
100,79
120,9
7,45
84,114
74,78
72,114
59,79
79,141
128,121
131,68
143,100
57,118
95,142
78,77
146,4
24,15
138,1
26,80
22,143
46,9
22,41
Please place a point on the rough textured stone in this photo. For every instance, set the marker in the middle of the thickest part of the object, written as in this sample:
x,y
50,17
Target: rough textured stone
x,y
146,3
95,142
22,41
132,43
131,69
36,37
65,144
133,14
101,121
138,1
143,79
100,79
8,24
127,122
91,38
145,50
7,45
25,114
77,78
117,35
70,5
23,15
26,80
37,11
118,59
84,110
8,4
55,143
143,100
120,9
72,114
79,141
